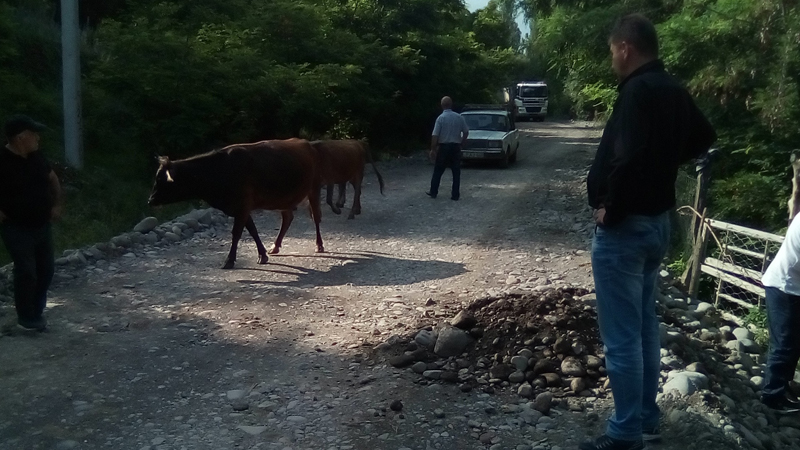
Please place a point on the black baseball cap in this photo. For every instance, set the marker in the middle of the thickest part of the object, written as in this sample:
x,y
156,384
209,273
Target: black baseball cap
x,y
18,123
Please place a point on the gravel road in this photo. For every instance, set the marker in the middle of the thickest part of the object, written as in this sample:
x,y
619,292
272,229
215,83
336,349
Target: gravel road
x,y
159,349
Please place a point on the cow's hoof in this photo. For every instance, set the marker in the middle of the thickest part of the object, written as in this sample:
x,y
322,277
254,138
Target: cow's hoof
x,y
320,250
274,250
336,210
228,264
263,259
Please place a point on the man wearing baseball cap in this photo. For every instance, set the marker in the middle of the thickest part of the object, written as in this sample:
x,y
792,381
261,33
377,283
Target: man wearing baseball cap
x,y
30,198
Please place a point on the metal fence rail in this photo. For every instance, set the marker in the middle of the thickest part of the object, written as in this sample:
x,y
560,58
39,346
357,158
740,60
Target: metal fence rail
x,y
735,257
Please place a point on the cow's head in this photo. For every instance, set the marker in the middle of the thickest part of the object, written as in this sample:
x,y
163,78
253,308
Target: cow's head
x,y
165,190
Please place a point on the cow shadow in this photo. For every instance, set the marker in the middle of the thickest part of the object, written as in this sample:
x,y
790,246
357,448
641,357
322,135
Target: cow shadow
x,y
363,268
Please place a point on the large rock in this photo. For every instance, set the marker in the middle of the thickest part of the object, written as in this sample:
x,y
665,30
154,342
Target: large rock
x,y
122,240
525,390
742,333
501,371
593,362
407,358
426,338
544,366
147,225
686,383
562,346
464,320
520,362
452,342
552,379
543,402
572,367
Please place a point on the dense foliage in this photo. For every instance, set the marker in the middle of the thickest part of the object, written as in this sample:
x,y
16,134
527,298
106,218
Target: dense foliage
x,y
740,58
180,77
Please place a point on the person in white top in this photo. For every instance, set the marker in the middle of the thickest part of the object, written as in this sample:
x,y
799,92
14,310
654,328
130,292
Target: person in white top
x,y
449,135
782,287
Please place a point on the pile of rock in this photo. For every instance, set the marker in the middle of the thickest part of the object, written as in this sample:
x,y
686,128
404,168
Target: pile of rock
x,y
544,346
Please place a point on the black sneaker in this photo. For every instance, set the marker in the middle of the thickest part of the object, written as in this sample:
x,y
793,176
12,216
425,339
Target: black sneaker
x,y
651,434
430,195
781,405
608,443
39,324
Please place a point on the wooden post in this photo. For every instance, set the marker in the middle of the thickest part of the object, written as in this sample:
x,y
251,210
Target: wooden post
x,y
698,254
703,170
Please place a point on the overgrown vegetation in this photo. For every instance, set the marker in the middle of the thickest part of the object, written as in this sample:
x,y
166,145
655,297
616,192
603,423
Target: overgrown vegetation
x,y
180,77
739,58
757,316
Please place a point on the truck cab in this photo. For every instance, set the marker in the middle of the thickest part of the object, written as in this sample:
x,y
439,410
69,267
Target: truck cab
x,y
530,100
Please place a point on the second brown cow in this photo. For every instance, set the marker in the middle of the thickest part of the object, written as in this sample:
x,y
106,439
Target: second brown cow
x,y
342,162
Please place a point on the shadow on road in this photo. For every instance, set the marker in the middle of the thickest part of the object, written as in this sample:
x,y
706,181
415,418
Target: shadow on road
x,y
356,268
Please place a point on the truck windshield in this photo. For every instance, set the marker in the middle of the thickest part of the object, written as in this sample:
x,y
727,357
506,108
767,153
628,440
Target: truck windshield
x,y
533,91
486,122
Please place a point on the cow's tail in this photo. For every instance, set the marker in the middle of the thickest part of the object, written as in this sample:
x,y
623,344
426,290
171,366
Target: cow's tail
x,y
368,154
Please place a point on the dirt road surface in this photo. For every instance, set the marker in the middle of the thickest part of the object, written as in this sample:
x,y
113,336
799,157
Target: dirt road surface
x,y
160,349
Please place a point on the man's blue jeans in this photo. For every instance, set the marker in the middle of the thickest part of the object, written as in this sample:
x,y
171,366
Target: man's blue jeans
x,y
448,155
625,262
783,313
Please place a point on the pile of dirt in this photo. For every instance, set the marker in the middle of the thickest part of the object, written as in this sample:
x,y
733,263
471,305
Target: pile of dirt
x,y
530,343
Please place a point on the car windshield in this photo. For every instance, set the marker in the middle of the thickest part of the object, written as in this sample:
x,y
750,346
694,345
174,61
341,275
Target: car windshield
x,y
486,122
533,91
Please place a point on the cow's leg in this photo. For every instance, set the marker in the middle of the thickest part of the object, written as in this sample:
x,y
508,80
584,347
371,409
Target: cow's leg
x,y
286,220
236,234
342,195
329,198
316,214
356,209
262,252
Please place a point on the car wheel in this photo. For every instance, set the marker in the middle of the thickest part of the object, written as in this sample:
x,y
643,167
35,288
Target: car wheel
x,y
504,162
513,158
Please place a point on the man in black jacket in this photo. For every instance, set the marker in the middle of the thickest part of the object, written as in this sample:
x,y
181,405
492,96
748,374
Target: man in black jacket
x,y
30,196
654,128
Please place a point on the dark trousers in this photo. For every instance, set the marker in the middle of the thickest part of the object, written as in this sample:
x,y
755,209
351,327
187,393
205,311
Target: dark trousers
x,y
783,314
31,249
449,155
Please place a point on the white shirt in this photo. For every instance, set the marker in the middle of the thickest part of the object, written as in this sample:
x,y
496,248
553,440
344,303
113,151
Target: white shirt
x,y
449,126
784,271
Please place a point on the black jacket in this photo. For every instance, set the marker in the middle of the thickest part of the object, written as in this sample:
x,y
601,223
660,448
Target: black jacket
x,y
654,128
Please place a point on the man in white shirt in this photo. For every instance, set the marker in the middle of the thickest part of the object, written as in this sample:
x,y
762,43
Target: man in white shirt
x,y
449,135
782,286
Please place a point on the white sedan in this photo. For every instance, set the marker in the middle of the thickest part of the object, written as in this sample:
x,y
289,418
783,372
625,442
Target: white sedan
x,y
492,136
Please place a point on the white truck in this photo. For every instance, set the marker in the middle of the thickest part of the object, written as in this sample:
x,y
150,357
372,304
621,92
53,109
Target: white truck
x,y
492,134
530,100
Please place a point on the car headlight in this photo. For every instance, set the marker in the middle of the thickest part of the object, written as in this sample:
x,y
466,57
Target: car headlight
x,y
495,144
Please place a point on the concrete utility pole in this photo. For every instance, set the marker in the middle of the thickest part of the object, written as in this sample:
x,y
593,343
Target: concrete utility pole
x,y
71,74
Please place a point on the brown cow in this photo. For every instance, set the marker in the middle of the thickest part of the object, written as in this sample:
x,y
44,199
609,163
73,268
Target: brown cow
x,y
342,162
240,178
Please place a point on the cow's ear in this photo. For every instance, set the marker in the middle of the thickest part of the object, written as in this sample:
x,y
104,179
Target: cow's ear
x,y
163,160
169,177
